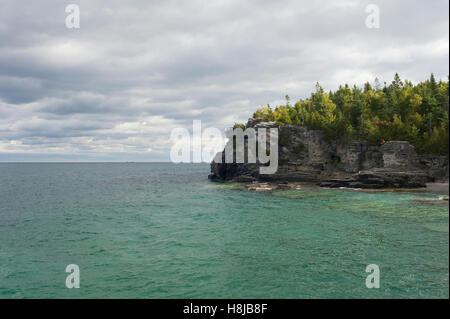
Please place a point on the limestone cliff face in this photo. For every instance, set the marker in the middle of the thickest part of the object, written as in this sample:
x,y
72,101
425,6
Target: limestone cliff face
x,y
306,156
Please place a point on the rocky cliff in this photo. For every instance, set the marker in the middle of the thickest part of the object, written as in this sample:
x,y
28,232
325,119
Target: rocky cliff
x,y
306,156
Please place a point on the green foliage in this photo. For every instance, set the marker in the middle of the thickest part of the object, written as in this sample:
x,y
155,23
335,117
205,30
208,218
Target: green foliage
x,y
239,125
399,111
265,113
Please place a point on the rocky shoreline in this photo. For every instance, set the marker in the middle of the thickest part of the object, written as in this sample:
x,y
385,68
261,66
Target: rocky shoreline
x,y
306,156
441,188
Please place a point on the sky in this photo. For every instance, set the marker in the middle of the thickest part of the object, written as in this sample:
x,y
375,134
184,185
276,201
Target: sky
x,y
114,88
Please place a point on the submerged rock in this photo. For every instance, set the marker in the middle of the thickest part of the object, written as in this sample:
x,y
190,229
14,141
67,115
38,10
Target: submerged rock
x,y
271,186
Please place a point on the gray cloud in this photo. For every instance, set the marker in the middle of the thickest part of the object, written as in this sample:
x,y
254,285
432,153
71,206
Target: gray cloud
x,y
114,89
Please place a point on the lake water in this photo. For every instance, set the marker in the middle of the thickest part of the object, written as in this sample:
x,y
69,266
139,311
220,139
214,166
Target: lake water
x,y
150,230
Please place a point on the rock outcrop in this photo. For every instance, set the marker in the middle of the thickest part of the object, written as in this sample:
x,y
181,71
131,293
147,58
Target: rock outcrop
x,y
307,156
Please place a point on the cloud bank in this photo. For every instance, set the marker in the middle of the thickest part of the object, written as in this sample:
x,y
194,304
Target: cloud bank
x,y
114,89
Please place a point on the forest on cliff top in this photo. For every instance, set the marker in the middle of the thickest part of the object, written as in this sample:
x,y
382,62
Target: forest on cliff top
x,y
401,110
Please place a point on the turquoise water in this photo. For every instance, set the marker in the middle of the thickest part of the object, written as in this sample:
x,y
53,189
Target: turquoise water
x,y
165,231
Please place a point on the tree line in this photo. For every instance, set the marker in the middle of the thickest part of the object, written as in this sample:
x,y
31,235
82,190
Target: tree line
x,y
401,110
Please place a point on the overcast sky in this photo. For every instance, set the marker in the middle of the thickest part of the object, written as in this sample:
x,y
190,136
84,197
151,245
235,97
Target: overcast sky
x,y
114,89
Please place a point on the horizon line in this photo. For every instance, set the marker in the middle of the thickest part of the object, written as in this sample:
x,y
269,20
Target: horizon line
x,y
94,162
